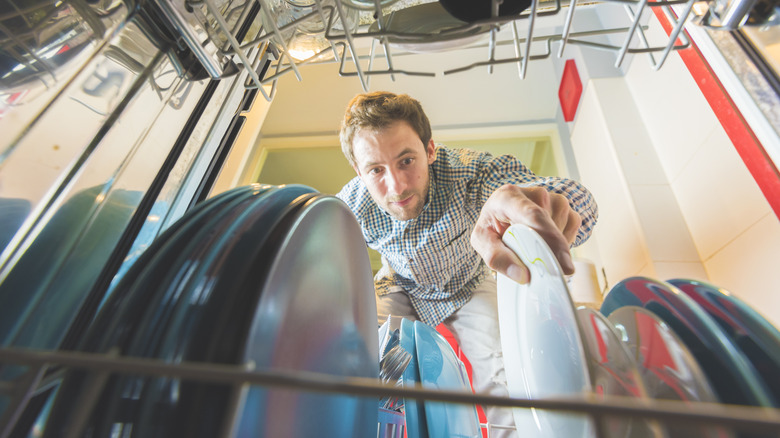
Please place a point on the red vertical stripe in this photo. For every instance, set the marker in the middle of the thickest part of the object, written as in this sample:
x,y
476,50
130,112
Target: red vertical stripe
x,y
758,163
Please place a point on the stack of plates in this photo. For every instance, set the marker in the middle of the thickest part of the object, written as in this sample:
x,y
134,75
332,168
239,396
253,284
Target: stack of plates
x,y
250,276
753,335
435,365
440,368
678,340
731,374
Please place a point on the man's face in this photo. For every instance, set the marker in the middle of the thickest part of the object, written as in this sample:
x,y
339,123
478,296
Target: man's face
x,y
393,164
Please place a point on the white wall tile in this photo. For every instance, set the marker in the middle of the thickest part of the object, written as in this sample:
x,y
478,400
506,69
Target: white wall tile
x,y
693,270
646,271
666,232
620,240
676,114
747,267
634,148
718,196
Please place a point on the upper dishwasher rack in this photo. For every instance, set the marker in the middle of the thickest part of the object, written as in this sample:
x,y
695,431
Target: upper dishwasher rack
x,y
215,23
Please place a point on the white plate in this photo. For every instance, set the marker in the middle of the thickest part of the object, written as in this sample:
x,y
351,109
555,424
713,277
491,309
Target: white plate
x,y
543,351
429,28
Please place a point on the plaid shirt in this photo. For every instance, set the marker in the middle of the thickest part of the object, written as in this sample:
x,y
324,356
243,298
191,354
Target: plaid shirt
x,y
430,257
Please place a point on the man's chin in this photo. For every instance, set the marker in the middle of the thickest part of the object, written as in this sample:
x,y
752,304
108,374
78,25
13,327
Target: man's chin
x,y
403,214
402,217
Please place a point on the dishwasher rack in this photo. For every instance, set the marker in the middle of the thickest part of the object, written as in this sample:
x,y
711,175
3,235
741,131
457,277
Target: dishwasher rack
x,y
344,42
44,368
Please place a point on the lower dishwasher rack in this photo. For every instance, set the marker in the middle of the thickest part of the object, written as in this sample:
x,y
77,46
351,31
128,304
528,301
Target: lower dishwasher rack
x,y
44,368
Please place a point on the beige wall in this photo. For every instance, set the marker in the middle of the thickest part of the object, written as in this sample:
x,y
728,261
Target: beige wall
x,y
676,199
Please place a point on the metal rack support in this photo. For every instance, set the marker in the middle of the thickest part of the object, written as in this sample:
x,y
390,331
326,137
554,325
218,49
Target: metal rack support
x,y
758,420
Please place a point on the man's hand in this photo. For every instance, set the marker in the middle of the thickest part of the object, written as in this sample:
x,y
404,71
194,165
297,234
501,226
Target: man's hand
x,y
549,214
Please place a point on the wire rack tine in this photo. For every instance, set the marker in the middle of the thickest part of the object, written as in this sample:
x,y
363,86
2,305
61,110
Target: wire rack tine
x,y
232,40
331,42
642,36
516,45
494,5
680,22
384,40
631,31
275,30
351,45
531,22
250,82
567,27
238,395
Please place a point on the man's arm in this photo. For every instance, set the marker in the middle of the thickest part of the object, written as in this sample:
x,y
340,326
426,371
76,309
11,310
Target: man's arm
x,y
562,211
549,214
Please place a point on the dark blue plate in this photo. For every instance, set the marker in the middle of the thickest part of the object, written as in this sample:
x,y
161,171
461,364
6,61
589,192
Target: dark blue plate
x,y
204,314
165,297
728,370
317,313
756,337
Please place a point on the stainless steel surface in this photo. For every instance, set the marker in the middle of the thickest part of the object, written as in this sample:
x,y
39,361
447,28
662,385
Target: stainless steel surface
x,y
207,28
84,193
745,82
92,100
44,45
727,14
201,146
42,40
106,82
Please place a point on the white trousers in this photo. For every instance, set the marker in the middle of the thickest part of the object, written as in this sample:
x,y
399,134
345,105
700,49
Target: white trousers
x,y
475,327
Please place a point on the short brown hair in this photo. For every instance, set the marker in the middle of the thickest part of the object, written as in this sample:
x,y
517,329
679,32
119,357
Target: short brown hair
x,y
378,110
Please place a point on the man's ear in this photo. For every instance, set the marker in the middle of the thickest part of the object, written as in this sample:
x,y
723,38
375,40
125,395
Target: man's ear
x,y
430,151
355,168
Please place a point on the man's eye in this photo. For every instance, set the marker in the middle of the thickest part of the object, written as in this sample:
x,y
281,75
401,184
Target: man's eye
x,y
375,170
407,161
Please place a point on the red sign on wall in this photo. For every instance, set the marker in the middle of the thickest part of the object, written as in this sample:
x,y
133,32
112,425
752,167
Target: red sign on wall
x,y
570,90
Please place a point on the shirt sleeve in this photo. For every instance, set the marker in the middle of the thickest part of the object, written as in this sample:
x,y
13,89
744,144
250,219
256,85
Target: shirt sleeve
x,y
505,169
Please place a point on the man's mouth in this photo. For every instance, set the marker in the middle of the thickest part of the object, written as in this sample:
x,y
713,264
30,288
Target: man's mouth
x,y
403,202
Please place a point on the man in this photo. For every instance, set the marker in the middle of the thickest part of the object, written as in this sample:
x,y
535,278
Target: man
x,y
434,214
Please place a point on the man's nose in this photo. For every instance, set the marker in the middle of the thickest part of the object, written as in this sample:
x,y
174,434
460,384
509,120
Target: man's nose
x,y
396,183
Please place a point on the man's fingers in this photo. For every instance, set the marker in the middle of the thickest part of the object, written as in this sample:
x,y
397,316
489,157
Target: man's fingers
x,y
505,261
572,227
533,213
488,244
549,214
559,211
